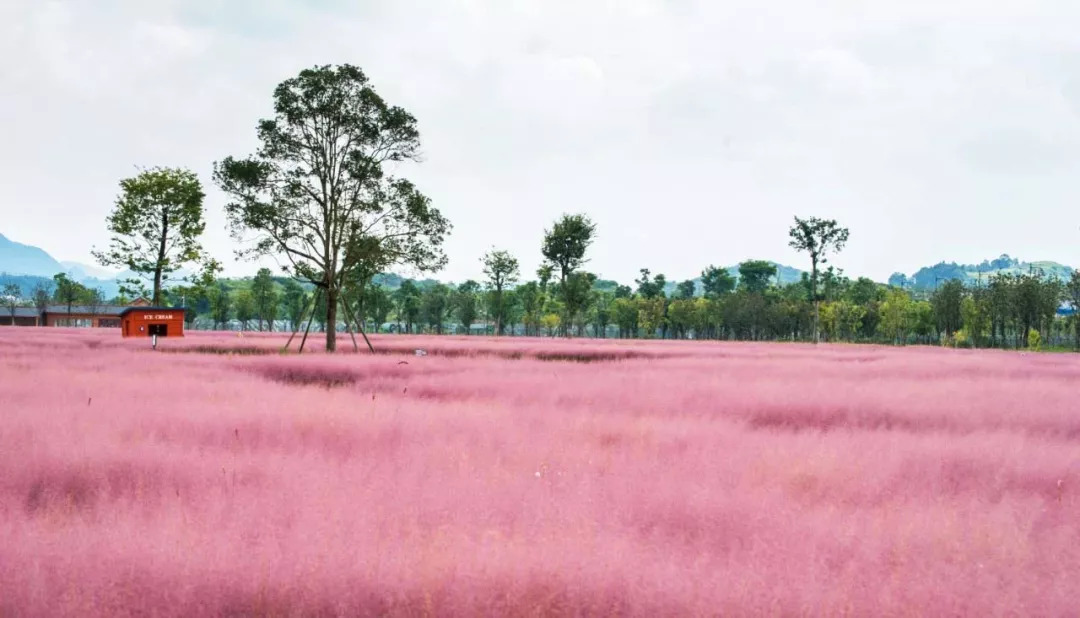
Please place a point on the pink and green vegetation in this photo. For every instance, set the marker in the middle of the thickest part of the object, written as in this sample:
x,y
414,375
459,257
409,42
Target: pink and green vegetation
x,y
500,477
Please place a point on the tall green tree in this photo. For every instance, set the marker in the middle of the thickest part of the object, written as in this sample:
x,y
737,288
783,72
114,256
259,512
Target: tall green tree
x,y
531,297
265,296
624,312
156,226
601,312
293,301
220,306
407,301
564,248
436,306
465,304
317,191
681,316
755,276
947,301
651,315
245,308
717,282
863,291
41,296
566,243
1035,300
817,238
501,270
67,291
976,316
650,286
379,304
576,293
686,290
895,312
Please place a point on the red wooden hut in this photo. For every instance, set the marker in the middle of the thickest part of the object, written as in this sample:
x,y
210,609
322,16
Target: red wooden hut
x,y
147,321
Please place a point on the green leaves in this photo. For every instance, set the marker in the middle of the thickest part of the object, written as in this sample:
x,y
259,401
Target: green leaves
x,y
316,192
156,225
716,282
567,241
817,237
564,247
755,276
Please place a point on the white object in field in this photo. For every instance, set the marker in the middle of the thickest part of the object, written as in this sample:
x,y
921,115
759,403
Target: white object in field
x,y
153,341
420,352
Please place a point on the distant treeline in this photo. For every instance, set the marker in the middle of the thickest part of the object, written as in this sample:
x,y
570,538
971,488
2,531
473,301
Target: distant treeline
x,y
1007,311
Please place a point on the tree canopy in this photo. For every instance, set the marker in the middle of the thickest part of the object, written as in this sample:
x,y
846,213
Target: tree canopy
x,y
155,228
501,270
566,243
317,191
817,238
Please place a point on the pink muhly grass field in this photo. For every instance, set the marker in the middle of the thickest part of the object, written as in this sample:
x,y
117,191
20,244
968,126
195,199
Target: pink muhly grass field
x,y
504,477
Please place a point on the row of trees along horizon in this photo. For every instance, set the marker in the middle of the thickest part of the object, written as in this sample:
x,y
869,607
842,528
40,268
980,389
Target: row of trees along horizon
x,y
318,196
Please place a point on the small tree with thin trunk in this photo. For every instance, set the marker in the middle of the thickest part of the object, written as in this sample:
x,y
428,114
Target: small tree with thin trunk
x,y
156,227
245,308
95,298
294,302
817,237
501,270
265,297
220,306
465,304
68,292
564,248
41,296
11,293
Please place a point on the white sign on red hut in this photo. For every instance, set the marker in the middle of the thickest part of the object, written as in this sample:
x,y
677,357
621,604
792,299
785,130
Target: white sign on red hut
x,y
159,316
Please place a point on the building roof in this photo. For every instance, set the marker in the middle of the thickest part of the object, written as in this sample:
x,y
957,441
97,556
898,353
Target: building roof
x,y
20,312
104,310
127,310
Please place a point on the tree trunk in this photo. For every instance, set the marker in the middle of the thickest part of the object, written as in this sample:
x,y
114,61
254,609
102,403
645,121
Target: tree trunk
x,y
813,292
161,258
331,319
817,320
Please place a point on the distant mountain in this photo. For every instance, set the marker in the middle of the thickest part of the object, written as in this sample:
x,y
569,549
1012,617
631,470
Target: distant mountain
x,y
28,266
79,271
19,259
387,280
930,277
26,283
784,276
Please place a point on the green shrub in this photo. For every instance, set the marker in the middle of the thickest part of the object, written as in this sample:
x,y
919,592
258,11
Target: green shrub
x,y
1034,339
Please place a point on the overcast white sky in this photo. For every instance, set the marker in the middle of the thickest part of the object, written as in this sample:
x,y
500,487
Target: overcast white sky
x,y
691,131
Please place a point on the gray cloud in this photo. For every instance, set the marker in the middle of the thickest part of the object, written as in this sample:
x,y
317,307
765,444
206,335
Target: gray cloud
x,y
692,131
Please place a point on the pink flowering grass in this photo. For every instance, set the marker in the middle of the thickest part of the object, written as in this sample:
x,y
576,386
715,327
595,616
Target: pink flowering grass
x,y
500,477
